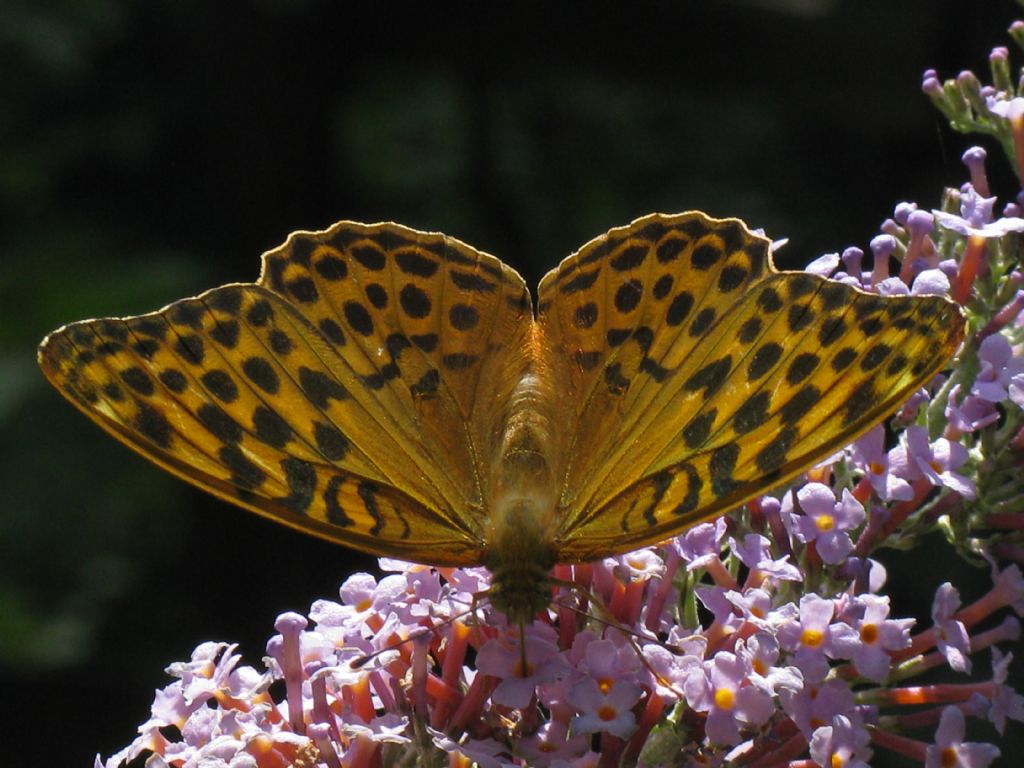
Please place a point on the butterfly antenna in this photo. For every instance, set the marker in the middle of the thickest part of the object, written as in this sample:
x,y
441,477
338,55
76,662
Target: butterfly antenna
x,y
524,670
361,661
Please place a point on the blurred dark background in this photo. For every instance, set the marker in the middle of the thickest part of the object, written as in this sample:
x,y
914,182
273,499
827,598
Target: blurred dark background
x,y
150,151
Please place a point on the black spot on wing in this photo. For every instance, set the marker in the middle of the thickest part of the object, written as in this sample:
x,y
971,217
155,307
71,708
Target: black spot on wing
x,y
680,308
753,413
260,313
799,404
174,380
721,467
146,348
369,256
320,388
710,377
220,385
281,342
801,367
702,322
427,384
874,357
225,333
663,286
270,428
694,484
628,295
463,317
219,423
750,330
154,425
731,278
334,512
262,374
190,348
426,341
843,358
705,256
416,264
376,295
773,455
581,282
331,443
358,317
769,300
303,290
187,313
332,331
629,258
585,315
764,360
332,268
468,281
414,301
696,432
244,473
301,479
138,380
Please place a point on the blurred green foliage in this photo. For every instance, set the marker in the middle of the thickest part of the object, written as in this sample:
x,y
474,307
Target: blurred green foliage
x,y
149,151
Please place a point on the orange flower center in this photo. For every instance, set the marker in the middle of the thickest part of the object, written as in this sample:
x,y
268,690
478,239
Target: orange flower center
x,y
725,698
812,638
869,633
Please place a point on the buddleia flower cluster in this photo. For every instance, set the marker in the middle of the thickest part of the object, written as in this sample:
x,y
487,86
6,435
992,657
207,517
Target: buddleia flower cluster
x,y
762,639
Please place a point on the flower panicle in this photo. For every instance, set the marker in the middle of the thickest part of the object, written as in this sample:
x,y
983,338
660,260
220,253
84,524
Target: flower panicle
x,y
749,640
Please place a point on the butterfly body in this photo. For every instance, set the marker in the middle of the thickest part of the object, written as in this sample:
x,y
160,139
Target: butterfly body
x,y
519,546
398,392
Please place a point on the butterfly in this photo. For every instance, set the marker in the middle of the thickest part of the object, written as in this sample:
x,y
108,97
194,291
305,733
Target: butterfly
x,y
398,392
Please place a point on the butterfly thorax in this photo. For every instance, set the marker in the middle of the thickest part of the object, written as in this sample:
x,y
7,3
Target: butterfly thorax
x,y
520,538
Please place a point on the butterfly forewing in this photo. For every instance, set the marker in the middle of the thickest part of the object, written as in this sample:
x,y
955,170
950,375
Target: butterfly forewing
x,y
351,397
726,379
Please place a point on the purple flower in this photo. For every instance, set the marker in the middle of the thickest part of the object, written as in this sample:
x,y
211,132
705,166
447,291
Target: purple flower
x,y
930,282
1000,369
951,749
972,413
502,658
1007,704
824,265
604,708
869,453
755,553
1009,109
701,543
868,635
841,744
917,457
952,639
816,705
722,688
808,635
825,521
975,218
761,653
552,742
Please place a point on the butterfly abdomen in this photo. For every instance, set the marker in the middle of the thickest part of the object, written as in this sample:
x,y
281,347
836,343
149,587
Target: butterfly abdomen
x,y
520,538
